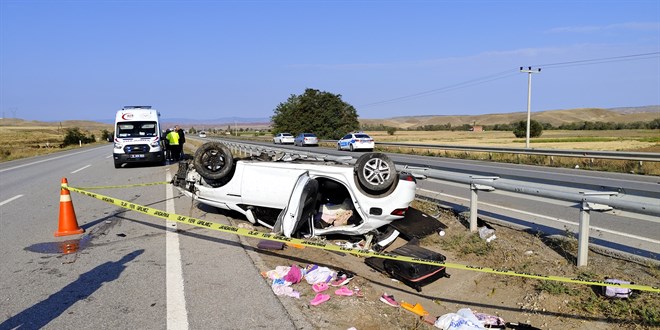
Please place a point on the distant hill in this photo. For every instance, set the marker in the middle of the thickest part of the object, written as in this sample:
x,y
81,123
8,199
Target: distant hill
x,y
554,117
82,124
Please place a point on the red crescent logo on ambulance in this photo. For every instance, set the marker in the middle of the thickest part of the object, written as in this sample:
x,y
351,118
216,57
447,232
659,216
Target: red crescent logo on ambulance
x,y
127,116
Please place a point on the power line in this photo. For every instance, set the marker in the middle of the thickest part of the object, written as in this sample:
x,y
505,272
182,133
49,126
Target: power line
x,y
604,60
513,72
468,83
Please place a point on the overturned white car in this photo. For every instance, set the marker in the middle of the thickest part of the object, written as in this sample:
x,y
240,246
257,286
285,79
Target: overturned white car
x,y
298,197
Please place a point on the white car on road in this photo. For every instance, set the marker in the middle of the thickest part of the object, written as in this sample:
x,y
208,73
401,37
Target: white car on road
x,y
300,197
283,138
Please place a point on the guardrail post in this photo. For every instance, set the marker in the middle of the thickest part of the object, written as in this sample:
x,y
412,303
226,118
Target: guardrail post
x,y
585,215
474,198
583,235
473,207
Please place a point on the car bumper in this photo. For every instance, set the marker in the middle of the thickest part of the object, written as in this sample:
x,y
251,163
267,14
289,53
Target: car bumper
x,y
146,157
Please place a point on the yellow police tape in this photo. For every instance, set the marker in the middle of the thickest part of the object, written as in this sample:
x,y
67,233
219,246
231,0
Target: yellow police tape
x,y
331,247
125,186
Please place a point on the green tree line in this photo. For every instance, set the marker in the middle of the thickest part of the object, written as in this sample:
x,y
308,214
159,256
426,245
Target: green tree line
x,y
576,126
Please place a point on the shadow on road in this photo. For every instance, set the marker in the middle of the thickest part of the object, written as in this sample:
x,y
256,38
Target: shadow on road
x,y
40,314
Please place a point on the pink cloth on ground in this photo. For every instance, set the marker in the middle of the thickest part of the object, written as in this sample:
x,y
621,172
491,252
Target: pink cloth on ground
x,y
294,276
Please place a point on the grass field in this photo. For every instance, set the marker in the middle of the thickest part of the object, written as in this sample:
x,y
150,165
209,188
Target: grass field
x,y
614,140
26,141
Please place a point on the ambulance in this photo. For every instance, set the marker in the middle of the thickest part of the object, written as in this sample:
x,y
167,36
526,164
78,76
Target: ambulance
x,y
137,136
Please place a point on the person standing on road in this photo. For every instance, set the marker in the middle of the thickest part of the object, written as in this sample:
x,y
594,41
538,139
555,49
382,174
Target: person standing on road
x,y
182,140
175,150
166,144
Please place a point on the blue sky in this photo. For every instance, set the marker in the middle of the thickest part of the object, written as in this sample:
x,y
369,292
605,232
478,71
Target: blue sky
x,y
63,60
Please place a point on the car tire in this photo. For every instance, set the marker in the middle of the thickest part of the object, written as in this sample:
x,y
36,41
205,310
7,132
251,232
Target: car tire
x,y
350,147
117,164
375,172
213,161
338,147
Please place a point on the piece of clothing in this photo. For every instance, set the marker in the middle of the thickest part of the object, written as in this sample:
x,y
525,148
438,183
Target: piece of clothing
x,y
173,138
182,136
319,274
294,275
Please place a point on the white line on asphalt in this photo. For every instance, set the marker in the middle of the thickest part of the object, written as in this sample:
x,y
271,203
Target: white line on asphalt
x,y
549,218
80,169
109,156
11,199
49,159
177,315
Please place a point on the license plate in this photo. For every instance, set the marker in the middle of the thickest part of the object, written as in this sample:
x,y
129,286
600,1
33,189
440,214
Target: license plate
x,y
137,156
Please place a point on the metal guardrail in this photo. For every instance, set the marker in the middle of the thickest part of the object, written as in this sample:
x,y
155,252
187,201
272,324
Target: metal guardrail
x,y
621,155
587,200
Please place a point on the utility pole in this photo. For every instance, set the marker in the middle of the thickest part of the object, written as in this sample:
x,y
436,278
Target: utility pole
x,y
529,72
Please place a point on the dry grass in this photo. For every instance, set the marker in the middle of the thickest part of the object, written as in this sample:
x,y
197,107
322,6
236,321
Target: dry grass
x,y
27,141
551,139
615,140
554,117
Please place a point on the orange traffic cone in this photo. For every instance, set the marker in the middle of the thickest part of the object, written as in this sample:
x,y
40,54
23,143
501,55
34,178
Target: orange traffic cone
x,y
68,222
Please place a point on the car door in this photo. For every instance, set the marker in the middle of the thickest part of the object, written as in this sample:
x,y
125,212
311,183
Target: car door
x,y
301,207
263,184
345,141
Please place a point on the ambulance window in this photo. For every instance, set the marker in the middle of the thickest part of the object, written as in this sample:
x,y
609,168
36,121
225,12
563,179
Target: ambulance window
x,y
124,130
148,129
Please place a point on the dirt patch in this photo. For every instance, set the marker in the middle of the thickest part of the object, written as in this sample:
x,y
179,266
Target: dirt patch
x,y
542,304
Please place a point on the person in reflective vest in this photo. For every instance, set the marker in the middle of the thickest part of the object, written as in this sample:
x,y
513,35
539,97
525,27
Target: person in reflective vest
x,y
173,139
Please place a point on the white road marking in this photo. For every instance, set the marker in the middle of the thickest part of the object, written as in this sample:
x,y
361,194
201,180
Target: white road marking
x,y
11,199
177,315
547,217
109,156
80,169
49,159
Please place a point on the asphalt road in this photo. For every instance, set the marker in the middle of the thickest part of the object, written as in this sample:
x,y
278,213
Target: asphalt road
x,y
131,271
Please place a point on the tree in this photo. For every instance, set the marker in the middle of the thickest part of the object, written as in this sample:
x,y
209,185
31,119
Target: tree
x,y
106,135
391,130
75,136
520,129
321,113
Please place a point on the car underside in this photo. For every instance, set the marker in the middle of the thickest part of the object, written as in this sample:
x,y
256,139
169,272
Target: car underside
x,y
300,197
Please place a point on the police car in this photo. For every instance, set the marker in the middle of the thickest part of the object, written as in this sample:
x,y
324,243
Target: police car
x,y
355,141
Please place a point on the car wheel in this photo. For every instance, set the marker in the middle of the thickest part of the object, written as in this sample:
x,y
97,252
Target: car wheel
x,y
213,160
338,147
350,147
117,164
375,171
